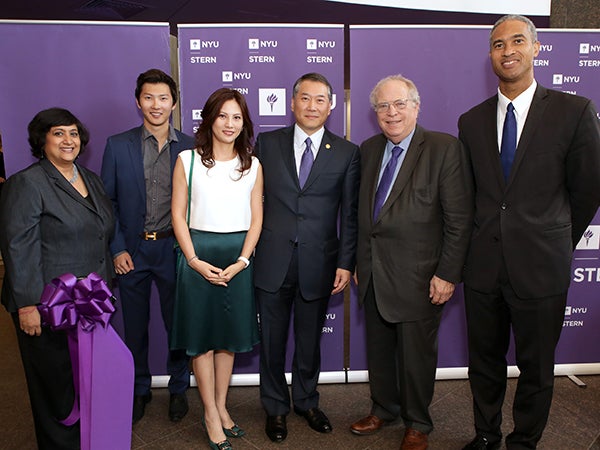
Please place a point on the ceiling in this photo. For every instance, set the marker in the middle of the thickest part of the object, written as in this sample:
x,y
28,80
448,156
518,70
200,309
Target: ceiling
x,y
231,11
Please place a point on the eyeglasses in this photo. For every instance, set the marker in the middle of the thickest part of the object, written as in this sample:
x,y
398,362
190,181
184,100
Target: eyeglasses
x,y
397,104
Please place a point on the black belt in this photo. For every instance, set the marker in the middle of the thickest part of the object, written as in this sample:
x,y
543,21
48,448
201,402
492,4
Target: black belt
x,y
154,235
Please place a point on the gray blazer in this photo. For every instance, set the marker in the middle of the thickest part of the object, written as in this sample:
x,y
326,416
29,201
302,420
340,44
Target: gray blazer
x,y
47,229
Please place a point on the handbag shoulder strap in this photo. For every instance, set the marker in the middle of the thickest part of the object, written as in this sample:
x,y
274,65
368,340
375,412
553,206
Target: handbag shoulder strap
x,y
189,208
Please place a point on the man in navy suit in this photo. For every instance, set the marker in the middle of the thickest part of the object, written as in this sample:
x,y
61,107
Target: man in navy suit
x,y
535,194
136,171
311,180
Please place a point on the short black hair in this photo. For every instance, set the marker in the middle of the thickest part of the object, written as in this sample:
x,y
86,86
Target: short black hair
x,y
313,76
525,20
53,117
155,76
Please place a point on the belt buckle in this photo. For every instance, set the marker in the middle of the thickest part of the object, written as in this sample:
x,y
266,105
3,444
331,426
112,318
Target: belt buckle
x,y
151,236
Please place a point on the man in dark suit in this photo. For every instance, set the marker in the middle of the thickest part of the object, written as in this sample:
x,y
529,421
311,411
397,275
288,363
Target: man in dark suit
x,y
136,171
535,155
301,260
414,220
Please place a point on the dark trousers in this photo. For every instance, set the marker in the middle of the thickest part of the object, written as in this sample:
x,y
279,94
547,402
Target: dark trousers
x,y
153,261
402,359
536,325
275,310
47,365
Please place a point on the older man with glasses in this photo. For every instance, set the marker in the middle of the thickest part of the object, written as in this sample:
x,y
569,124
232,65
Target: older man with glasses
x,y
415,213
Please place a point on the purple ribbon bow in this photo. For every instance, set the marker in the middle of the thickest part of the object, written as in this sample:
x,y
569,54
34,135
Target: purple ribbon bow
x,y
67,301
77,306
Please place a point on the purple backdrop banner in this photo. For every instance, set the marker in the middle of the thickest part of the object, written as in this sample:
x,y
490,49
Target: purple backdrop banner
x,y
450,85
89,68
262,62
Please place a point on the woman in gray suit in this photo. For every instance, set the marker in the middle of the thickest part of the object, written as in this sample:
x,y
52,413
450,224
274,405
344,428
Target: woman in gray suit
x,y
55,218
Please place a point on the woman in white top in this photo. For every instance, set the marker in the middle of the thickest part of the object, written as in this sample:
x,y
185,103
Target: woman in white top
x,y
217,218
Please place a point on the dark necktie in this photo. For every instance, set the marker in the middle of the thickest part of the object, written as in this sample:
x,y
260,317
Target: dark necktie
x,y
305,163
509,140
386,181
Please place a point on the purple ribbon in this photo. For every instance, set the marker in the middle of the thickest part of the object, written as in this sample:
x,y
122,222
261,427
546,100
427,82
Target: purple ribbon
x,y
77,306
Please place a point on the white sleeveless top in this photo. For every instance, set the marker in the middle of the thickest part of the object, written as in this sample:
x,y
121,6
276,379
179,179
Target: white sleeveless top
x,y
220,197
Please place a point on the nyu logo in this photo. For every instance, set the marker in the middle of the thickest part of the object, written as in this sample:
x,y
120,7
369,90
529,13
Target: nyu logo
x,y
575,310
271,102
196,114
558,78
313,44
197,44
590,239
255,44
227,76
585,48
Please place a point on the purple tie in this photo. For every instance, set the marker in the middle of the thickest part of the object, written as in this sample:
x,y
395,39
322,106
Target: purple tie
x,y
305,163
386,181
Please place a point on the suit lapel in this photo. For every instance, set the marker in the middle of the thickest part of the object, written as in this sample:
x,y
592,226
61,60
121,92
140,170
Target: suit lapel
x,y
287,146
413,153
64,185
534,116
173,153
324,156
490,131
137,161
94,195
371,166
175,148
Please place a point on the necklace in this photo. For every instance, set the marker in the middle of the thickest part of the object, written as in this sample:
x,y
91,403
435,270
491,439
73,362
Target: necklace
x,y
75,174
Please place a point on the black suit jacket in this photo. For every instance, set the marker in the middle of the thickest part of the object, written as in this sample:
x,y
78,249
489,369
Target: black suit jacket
x,y
423,228
123,177
535,219
47,229
308,215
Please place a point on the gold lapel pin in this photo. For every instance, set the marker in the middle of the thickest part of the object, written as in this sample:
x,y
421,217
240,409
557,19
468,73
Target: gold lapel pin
x,y
327,146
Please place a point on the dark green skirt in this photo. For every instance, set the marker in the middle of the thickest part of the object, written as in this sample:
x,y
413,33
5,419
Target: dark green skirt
x,y
209,317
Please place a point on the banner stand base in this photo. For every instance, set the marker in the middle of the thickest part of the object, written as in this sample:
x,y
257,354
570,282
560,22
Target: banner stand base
x,y
362,376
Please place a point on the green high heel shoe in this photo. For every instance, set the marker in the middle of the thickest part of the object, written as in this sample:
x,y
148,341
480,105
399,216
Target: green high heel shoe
x,y
223,445
234,431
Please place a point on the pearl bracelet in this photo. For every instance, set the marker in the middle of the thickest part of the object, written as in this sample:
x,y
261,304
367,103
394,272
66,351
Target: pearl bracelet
x,y
245,260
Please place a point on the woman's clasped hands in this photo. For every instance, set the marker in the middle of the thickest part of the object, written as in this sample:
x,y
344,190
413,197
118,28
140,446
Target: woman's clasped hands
x,y
216,275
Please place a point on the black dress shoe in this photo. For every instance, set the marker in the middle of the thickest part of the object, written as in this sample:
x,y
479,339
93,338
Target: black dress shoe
x,y
276,428
139,406
481,443
178,407
316,418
